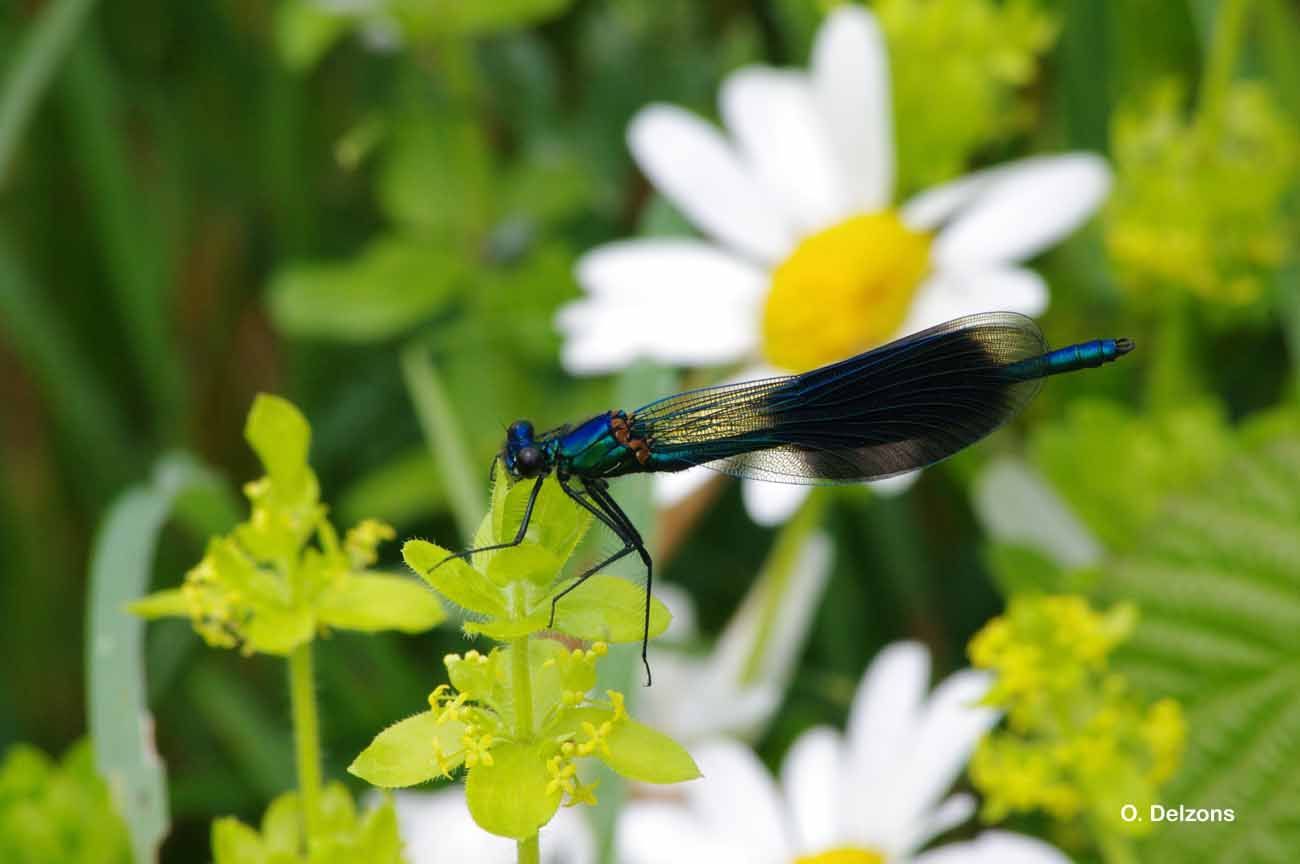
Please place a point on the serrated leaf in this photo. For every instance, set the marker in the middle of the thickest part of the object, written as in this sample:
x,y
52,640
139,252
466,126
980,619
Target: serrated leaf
x,y
609,609
371,602
389,288
510,798
403,754
454,579
1218,584
280,436
169,603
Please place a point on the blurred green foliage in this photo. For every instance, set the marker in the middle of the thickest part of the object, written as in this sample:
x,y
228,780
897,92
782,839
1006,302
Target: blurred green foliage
x,y
58,811
376,213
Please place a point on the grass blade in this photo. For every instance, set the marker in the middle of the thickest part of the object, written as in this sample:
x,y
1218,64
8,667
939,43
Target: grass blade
x,y
33,68
120,721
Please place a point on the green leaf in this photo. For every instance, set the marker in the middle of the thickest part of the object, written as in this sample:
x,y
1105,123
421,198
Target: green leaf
x,y
58,812
403,754
282,824
233,842
507,629
454,579
635,750
527,561
1115,468
1215,579
169,603
509,798
279,434
371,602
388,289
279,629
304,31
609,609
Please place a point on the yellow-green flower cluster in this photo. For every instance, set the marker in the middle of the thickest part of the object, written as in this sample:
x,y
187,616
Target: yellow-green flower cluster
x,y
344,834
1198,204
522,717
973,55
1078,742
265,586
521,768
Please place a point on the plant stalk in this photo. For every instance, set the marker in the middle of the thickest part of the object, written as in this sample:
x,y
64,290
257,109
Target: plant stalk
x,y
306,738
521,689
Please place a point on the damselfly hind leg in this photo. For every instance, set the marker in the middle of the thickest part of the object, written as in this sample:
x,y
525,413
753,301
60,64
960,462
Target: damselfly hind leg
x,y
606,509
466,554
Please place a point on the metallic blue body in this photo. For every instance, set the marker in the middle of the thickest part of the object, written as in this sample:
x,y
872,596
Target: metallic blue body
x,y
1085,355
901,406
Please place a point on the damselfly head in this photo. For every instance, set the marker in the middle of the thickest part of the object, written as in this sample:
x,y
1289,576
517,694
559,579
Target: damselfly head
x,y
523,457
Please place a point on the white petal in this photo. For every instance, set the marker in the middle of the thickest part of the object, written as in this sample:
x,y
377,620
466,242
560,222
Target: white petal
x,y
928,210
850,73
886,705
738,800
782,137
672,488
895,485
1025,208
772,503
995,847
951,294
943,740
652,832
636,289
436,828
885,708
698,170
1016,504
811,779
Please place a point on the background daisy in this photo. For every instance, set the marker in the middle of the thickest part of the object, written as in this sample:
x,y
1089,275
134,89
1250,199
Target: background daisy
x,y
875,793
805,258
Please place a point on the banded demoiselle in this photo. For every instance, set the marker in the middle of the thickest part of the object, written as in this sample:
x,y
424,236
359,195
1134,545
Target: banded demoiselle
x,y
902,406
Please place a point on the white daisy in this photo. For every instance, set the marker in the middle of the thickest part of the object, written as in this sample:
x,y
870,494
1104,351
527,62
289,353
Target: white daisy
x,y
872,795
807,260
732,692
436,828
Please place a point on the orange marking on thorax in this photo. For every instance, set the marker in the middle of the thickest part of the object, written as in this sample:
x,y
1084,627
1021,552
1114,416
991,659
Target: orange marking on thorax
x,y
618,424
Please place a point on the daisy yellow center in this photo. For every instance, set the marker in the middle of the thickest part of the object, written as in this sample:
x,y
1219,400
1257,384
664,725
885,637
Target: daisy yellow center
x,y
843,290
845,855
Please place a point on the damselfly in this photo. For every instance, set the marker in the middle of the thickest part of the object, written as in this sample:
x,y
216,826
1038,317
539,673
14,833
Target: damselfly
x,y
896,408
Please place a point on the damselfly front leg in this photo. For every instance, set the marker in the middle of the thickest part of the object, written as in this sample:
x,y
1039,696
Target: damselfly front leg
x,y
519,535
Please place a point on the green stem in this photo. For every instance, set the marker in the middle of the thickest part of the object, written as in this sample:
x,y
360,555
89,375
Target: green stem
x,y
775,579
306,737
521,689
442,435
1225,46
